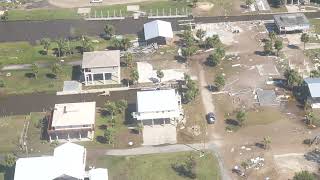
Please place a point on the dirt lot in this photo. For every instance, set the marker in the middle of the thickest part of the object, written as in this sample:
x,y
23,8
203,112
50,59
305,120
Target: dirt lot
x,y
246,69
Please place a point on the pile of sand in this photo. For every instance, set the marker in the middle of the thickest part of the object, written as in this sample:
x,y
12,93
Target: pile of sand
x,y
204,6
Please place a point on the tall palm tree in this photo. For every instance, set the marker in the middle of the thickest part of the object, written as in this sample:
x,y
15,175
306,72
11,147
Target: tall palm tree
x,y
61,43
46,42
109,30
272,36
126,44
35,70
56,69
304,38
160,74
86,45
266,142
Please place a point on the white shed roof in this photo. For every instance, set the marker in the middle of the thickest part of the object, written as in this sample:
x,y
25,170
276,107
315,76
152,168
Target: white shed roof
x,y
157,101
314,86
68,159
101,59
157,28
74,114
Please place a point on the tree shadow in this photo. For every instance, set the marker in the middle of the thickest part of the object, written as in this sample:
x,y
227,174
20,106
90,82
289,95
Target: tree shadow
x,y
76,73
183,171
127,114
260,145
104,113
101,139
232,122
8,172
51,76
260,53
42,52
180,59
29,75
103,127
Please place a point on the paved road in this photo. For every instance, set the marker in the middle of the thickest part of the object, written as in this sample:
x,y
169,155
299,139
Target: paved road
x,y
173,148
35,30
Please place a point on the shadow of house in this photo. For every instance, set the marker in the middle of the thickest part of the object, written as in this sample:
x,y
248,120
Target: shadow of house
x,y
76,73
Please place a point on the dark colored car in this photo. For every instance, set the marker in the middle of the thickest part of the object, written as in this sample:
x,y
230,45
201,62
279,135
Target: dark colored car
x,y
211,118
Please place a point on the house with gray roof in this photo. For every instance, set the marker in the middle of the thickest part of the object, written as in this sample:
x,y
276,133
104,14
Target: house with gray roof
x,y
314,90
295,22
101,67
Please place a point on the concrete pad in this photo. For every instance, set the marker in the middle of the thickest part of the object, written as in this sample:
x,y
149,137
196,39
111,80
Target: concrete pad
x,y
267,70
147,74
159,134
84,10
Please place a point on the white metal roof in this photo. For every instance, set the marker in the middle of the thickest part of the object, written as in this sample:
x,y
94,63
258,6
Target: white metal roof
x,y
101,59
74,114
157,28
98,174
157,101
314,86
68,160
72,158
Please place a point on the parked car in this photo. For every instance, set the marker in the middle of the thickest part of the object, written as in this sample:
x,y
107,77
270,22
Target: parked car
x,y
211,118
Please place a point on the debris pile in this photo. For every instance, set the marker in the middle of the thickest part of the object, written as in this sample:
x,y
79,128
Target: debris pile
x,y
313,155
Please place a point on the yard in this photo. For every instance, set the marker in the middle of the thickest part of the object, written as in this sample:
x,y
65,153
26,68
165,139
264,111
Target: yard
x,y
157,166
22,81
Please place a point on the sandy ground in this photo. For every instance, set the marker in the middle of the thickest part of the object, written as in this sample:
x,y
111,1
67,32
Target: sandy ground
x,y
85,3
247,70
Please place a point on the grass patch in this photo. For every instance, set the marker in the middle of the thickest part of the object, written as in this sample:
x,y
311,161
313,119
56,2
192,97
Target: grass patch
x,y
25,53
10,128
19,83
316,25
43,14
157,166
278,9
263,116
122,134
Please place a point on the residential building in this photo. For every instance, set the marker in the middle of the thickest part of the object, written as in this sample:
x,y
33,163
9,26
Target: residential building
x,y
67,163
72,122
313,85
101,67
158,107
295,22
158,31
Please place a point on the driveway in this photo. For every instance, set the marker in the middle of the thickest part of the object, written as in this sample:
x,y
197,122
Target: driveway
x,y
159,134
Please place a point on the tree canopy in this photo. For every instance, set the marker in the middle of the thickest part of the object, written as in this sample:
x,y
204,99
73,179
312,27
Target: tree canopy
x,y
304,175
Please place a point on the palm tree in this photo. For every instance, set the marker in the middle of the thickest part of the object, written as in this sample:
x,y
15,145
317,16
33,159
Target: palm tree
x,y
61,43
109,30
126,43
56,69
187,52
278,46
109,135
219,81
134,75
35,70
129,59
304,175
139,128
200,34
267,47
272,36
304,38
9,160
86,45
241,117
160,74
266,142
249,2
46,44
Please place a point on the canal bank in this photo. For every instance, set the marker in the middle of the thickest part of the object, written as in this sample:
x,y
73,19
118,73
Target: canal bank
x,y
39,102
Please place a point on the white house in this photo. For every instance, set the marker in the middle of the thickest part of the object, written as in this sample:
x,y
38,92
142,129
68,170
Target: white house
x,y
158,31
67,163
72,122
314,90
158,107
101,67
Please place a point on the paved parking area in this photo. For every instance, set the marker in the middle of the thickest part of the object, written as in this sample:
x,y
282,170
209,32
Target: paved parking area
x,y
159,134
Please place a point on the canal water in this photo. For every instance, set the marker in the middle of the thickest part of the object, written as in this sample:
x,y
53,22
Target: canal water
x,y
38,102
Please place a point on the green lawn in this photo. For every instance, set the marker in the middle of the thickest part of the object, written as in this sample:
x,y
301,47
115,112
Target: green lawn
x,y
278,9
263,116
157,166
43,14
10,128
316,25
19,82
